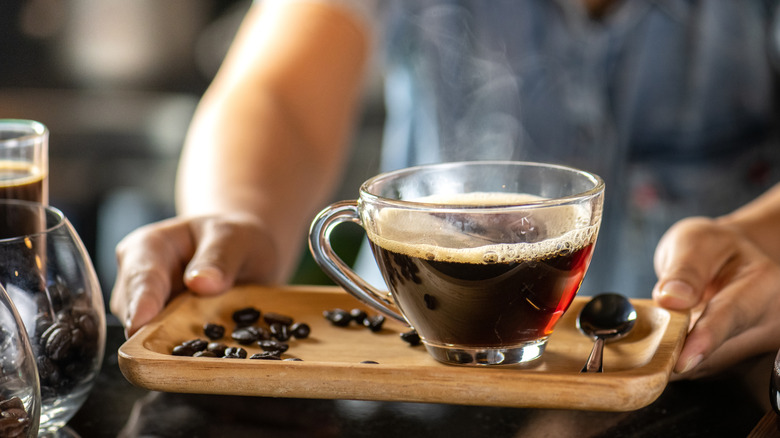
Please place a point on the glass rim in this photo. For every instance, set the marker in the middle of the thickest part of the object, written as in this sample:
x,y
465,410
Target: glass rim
x,y
367,196
29,130
56,212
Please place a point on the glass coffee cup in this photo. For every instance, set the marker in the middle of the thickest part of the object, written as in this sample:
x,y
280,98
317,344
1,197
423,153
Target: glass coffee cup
x,y
481,258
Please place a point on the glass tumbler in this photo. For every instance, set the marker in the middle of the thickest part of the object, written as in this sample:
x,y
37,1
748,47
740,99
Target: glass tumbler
x,y
49,276
20,392
24,160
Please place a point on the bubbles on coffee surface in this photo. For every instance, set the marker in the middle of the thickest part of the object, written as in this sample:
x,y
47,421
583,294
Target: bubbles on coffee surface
x,y
490,257
482,235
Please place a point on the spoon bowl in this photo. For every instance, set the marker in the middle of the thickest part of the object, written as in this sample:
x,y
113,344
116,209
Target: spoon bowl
x,y
606,317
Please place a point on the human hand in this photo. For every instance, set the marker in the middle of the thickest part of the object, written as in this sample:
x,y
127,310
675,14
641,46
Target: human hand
x,y
731,287
206,255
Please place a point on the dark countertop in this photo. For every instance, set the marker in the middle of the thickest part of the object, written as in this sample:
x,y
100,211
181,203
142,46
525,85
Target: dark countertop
x,y
729,405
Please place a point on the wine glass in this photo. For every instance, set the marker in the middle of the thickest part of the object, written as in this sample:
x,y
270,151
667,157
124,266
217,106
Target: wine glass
x,y
20,392
49,276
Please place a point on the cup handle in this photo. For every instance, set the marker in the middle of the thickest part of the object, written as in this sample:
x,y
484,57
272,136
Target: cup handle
x,y
334,266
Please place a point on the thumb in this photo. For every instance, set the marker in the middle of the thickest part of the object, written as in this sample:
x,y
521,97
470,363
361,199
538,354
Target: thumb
x,y
204,277
229,249
687,259
675,292
212,267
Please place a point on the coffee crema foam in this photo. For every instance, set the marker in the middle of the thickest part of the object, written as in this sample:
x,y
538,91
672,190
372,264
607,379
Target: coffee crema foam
x,y
14,173
432,237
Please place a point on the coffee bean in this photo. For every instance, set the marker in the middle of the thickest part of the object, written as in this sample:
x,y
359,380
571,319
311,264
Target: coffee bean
x,y
411,337
86,322
338,317
13,427
374,323
214,331
246,335
271,318
266,355
65,317
358,315
196,344
59,296
189,348
204,353
235,353
246,316
14,420
372,362
77,337
274,346
217,348
280,332
183,350
11,403
300,330
57,341
47,370
42,322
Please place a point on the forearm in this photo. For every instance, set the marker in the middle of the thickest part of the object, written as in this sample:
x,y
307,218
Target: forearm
x,y
759,220
263,169
270,134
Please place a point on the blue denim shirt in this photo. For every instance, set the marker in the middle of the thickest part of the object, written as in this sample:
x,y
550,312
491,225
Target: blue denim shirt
x,y
672,102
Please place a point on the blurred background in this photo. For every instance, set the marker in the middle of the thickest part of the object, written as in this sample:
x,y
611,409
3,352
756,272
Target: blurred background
x,y
116,82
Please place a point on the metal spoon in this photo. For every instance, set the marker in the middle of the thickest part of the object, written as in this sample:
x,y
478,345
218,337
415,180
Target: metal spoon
x,y
606,317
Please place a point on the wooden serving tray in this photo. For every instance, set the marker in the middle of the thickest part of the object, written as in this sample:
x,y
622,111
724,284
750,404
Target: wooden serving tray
x,y
637,368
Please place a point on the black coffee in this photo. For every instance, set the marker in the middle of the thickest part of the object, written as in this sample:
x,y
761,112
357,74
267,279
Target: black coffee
x,y
484,304
488,294
22,182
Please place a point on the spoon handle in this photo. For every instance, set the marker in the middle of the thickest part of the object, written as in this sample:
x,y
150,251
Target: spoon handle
x,y
594,363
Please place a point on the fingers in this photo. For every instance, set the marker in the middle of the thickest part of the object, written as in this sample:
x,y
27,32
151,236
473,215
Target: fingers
x,y
727,283
142,302
686,260
739,322
229,250
747,344
149,270
206,255
722,319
